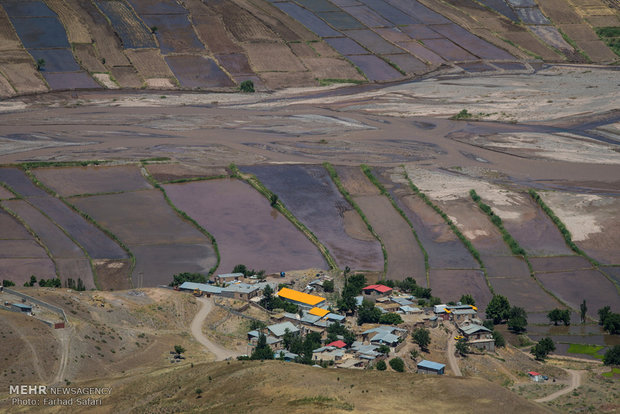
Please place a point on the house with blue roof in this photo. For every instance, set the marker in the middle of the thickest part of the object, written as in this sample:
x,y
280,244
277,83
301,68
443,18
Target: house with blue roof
x,y
430,367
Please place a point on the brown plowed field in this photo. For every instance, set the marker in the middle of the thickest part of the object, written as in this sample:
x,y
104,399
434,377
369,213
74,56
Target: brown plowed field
x,y
77,32
246,228
269,57
449,285
525,293
19,270
355,227
559,264
559,11
149,63
528,41
6,89
74,269
12,229
87,56
278,80
243,26
288,29
355,181
214,35
332,68
8,38
113,274
170,172
106,41
92,180
126,76
20,71
574,287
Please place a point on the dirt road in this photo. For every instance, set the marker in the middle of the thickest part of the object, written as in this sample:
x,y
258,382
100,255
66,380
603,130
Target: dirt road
x,y
576,379
220,352
64,340
452,362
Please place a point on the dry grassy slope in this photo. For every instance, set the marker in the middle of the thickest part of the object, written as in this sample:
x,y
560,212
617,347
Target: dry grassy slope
x,y
278,387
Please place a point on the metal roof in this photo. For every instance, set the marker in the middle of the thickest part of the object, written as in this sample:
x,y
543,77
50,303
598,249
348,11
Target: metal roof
x,y
21,305
402,301
241,288
201,286
318,312
300,297
335,317
378,288
279,329
473,328
430,365
468,311
230,275
385,337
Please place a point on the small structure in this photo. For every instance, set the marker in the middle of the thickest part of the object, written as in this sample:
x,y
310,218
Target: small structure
x,y
384,335
334,317
318,312
241,291
373,292
338,344
285,355
430,367
408,310
461,315
352,363
228,277
327,353
203,287
20,307
535,376
278,330
302,299
478,336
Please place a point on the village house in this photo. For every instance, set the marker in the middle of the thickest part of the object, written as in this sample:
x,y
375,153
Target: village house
x,y
242,291
384,335
373,292
430,367
225,278
328,353
205,288
274,334
478,336
302,299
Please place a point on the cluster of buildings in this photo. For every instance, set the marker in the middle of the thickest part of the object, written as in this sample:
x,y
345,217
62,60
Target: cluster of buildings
x,y
465,318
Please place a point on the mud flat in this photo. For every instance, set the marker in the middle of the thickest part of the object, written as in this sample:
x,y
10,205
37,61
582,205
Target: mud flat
x,y
162,243
592,221
307,191
404,255
248,231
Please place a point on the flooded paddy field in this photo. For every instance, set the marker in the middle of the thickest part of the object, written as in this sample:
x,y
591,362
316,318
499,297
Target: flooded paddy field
x,y
310,194
247,229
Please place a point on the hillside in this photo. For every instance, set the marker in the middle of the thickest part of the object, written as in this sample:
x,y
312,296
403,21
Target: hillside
x,y
207,45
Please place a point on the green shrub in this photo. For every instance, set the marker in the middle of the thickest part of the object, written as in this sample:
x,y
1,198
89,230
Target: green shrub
x,y
381,365
397,364
247,86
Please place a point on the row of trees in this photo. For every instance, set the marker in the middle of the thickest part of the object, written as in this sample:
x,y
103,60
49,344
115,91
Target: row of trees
x,y
54,283
609,320
500,311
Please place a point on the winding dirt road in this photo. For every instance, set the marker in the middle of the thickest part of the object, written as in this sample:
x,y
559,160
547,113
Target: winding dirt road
x,y
452,362
576,379
219,351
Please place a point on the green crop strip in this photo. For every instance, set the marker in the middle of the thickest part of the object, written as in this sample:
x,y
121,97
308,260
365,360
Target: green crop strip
x,y
514,246
568,238
334,176
279,205
186,217
366,170
468,244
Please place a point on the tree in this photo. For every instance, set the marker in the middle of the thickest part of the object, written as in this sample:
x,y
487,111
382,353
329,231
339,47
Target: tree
x,y
390,319
462,347
603,313
434,301
328,285
336,329
422,337
247,86
40,64
612,356
414,354
179,349
240,268
347,303
381,365
542,348
7,283
268,292
612,323
498,309
517,319
468,300
180,278
262,350
559,315
397,364
383,349
368,313
80,285
500,342
273,200
33,280
583,309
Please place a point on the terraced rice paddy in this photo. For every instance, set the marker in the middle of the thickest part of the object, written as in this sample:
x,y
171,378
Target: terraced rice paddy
x,y
316,202
405,257
174,33
161,241
133,33
198,72
246,228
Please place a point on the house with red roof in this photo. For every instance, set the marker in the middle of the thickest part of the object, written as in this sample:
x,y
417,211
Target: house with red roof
x,y
373,292
338,344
